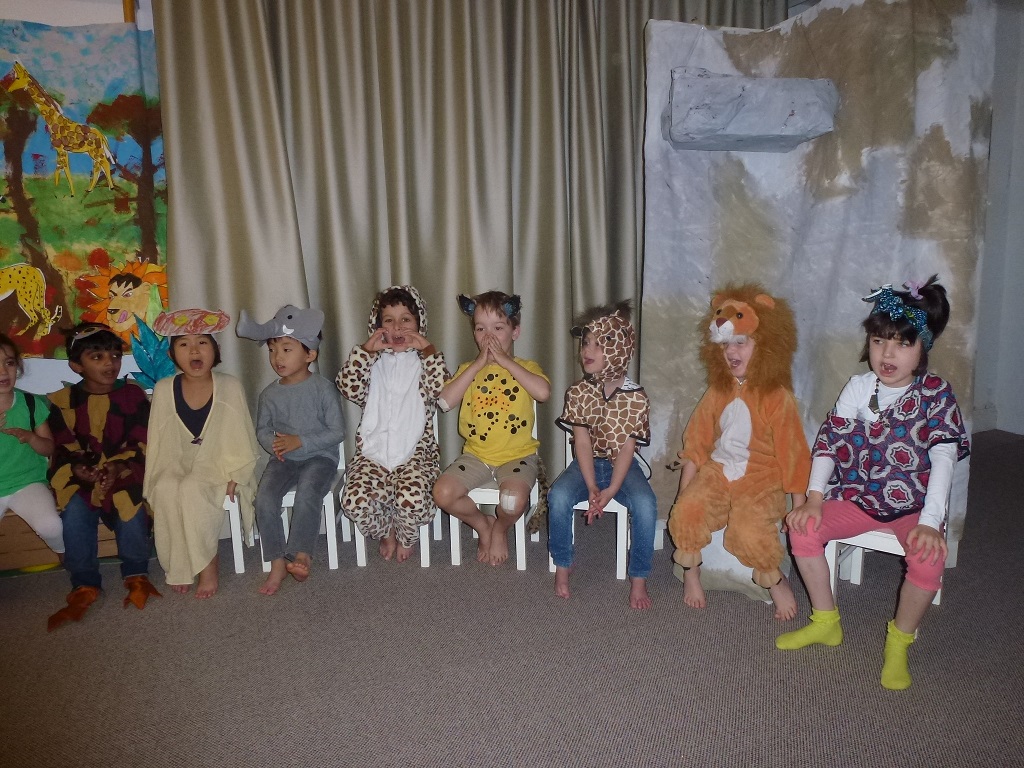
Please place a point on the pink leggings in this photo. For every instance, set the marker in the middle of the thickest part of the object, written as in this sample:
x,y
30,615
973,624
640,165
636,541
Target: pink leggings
x,y
844,519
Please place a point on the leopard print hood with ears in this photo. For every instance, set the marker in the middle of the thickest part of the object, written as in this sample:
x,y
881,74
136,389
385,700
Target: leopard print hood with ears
x,y
616,337
421,308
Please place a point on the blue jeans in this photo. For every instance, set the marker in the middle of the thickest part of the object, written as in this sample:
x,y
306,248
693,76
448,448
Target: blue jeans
x,y
81,552
635,495
311,479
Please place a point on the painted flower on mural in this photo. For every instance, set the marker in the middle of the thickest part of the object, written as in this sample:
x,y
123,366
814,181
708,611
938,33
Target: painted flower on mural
x,y
116,294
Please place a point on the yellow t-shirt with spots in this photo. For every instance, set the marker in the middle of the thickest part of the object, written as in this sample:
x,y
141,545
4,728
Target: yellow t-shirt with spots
x,y
497,413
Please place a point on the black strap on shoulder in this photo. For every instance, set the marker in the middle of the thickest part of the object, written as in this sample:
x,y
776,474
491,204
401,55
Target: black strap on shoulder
x,y
30,401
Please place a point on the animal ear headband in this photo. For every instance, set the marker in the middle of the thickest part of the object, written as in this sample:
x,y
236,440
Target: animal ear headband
x,y
888,302
303,325
510,307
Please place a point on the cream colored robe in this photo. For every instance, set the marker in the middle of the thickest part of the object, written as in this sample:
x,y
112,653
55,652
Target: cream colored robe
x,y
186,483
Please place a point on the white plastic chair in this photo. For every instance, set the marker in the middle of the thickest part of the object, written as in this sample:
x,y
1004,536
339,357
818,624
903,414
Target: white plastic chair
x,y
621,524
327,523
845,557
489,495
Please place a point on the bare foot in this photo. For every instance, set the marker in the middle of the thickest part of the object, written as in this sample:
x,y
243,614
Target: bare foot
x,y
562,581
299,567
498,551
208,580
693,590
403,553
275,577
388,545
483,549
638,597
784,599
181,589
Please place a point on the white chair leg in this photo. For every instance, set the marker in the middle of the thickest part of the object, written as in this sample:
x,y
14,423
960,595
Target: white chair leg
x,y
855,564
425,545
438,532
360,547
520,537
621,542
659,533
332,532
454,535
346,528
235,523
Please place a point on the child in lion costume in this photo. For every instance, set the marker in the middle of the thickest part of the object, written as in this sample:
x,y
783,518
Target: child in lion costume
x,y
744,447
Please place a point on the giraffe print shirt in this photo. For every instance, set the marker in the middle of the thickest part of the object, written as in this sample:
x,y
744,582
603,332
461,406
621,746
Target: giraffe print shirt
x,y
611,420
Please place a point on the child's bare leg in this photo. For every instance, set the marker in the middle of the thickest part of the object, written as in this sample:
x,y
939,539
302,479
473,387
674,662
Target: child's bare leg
x,y
562,581
513,498
693,590
275,577
913,604
784,599
815,575
451,496
299,567
638,596
209,579
388,545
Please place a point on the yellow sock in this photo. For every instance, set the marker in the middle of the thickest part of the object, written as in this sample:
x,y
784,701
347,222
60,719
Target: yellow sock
x,y
895,669
824,629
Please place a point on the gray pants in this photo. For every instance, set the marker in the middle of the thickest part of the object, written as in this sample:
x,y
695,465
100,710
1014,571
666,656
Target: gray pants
x,y
311,479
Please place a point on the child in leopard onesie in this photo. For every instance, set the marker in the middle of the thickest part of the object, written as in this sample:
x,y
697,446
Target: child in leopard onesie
x,y
395,377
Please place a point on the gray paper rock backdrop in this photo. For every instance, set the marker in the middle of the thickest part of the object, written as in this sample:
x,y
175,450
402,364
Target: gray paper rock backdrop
x,y
895,191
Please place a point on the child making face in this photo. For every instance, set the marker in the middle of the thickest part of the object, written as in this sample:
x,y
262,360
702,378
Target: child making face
x,y
497,392
394,377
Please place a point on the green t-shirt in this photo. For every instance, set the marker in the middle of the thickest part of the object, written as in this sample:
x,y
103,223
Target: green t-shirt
x,y
20,465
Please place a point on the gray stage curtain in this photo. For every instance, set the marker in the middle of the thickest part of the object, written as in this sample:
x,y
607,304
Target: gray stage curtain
x,y
318,151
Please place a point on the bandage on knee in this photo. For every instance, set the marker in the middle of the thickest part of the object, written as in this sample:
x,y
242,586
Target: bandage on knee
x,y
507,501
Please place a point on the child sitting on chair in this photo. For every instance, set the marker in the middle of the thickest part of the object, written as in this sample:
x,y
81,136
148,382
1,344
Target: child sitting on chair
x,y
99,429
202,447
394,376
744,448
300,424
497,392
608,417
883,461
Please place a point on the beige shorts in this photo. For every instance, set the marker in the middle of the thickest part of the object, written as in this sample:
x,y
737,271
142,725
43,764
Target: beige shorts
x,y
473,473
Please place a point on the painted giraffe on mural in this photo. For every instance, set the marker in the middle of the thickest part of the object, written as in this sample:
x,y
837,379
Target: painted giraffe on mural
x,y
65,134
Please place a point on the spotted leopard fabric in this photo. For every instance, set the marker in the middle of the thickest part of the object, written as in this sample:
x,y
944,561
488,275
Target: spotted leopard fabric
x,y
375,499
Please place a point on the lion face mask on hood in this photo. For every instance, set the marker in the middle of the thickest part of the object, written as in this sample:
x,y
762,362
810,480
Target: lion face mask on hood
x,y
746,310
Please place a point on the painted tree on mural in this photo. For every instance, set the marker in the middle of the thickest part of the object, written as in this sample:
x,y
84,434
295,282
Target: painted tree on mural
x,y
18,121
135,116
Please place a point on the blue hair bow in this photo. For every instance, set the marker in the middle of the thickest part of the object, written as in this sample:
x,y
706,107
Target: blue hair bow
x,y
888,302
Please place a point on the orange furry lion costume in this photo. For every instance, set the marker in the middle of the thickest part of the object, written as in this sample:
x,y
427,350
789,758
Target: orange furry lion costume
x,y
744,439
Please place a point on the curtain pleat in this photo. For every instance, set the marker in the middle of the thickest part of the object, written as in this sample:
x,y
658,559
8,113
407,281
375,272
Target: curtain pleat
x,y
319,151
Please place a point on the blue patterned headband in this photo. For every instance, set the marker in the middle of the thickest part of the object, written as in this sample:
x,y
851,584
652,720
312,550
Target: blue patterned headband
x,y
888,302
